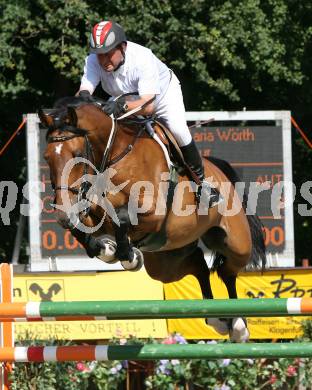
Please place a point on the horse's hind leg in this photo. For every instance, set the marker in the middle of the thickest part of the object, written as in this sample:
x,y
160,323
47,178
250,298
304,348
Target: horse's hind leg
x,y
171,266
197,267
215,239
233,254
237,326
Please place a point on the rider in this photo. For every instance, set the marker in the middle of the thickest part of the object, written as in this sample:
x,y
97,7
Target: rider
x,y
122,67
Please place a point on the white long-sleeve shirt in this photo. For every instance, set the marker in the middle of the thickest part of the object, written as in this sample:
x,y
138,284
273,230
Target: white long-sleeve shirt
x,y
142,72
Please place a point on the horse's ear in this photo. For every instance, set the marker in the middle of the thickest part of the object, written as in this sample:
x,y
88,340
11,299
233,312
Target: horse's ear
x,y
45,117
72,116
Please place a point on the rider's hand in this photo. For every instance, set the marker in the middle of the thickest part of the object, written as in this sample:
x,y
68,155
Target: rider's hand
x,y
115,107
86,96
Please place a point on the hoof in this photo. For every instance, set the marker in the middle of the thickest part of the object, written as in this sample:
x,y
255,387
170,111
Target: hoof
x,y
220,326
239,332
236,328
108,250
137,262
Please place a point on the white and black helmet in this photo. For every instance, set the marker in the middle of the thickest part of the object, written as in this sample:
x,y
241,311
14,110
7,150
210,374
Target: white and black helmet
x,y
105,36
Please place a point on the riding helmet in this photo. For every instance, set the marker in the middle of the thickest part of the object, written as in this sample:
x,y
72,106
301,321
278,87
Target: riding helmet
x,y
105,36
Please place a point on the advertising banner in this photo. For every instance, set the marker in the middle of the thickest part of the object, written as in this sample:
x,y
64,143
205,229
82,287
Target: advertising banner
x,y
107,286
130,286
271,284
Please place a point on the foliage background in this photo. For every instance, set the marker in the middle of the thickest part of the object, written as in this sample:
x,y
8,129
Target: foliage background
x,y
227,54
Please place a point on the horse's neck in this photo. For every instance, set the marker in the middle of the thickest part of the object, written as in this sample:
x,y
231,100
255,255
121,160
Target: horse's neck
x,y
145,158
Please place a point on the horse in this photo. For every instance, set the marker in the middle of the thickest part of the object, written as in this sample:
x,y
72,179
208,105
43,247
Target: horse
x,y
167,240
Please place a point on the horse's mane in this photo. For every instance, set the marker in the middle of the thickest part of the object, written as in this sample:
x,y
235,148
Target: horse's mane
x,y
63,102
60,106
59,112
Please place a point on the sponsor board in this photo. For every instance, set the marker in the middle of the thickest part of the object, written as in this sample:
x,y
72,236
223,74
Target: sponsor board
x,y
88,287
129,286
272,284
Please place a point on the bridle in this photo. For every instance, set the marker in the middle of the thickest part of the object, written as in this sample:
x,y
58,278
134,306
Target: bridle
x,y
88,155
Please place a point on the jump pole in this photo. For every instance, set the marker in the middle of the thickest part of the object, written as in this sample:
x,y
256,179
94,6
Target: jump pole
x,y
155,352
95,310
140,309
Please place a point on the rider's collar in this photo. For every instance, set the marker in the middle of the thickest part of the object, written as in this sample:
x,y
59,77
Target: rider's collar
x,y
119,67
122,67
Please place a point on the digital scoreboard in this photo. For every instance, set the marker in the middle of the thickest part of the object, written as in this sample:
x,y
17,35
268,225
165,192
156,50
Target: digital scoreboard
x,y
258,152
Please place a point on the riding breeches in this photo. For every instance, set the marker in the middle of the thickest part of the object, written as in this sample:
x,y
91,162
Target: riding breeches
x,y
170,111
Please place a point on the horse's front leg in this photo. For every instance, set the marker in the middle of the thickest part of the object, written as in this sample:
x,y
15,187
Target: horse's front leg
x,y
90,244
131,258
112,249
101,246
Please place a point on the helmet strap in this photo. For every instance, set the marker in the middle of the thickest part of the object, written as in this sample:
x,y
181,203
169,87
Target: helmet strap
x,y
123,58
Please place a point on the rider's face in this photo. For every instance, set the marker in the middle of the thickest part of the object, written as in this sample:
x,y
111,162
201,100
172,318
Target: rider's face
x,y
110,61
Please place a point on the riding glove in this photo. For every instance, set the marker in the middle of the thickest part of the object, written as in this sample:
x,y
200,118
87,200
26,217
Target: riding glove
x,y
115,107
86,96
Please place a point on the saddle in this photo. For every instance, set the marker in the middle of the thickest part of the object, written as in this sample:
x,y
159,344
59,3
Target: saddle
x,y
153,126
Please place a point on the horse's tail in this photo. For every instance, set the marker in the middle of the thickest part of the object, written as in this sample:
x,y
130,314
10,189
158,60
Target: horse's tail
x,y
258,254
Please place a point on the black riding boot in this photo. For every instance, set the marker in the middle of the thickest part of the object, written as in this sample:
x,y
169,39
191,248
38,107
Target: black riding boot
x,y
193,160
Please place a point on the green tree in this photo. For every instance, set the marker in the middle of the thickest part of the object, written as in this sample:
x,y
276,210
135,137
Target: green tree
x,y
228,55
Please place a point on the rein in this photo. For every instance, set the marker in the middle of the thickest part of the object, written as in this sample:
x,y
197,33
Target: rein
x,y
113,132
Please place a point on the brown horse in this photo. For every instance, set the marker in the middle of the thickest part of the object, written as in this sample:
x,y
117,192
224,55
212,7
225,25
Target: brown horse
x,y
165,228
